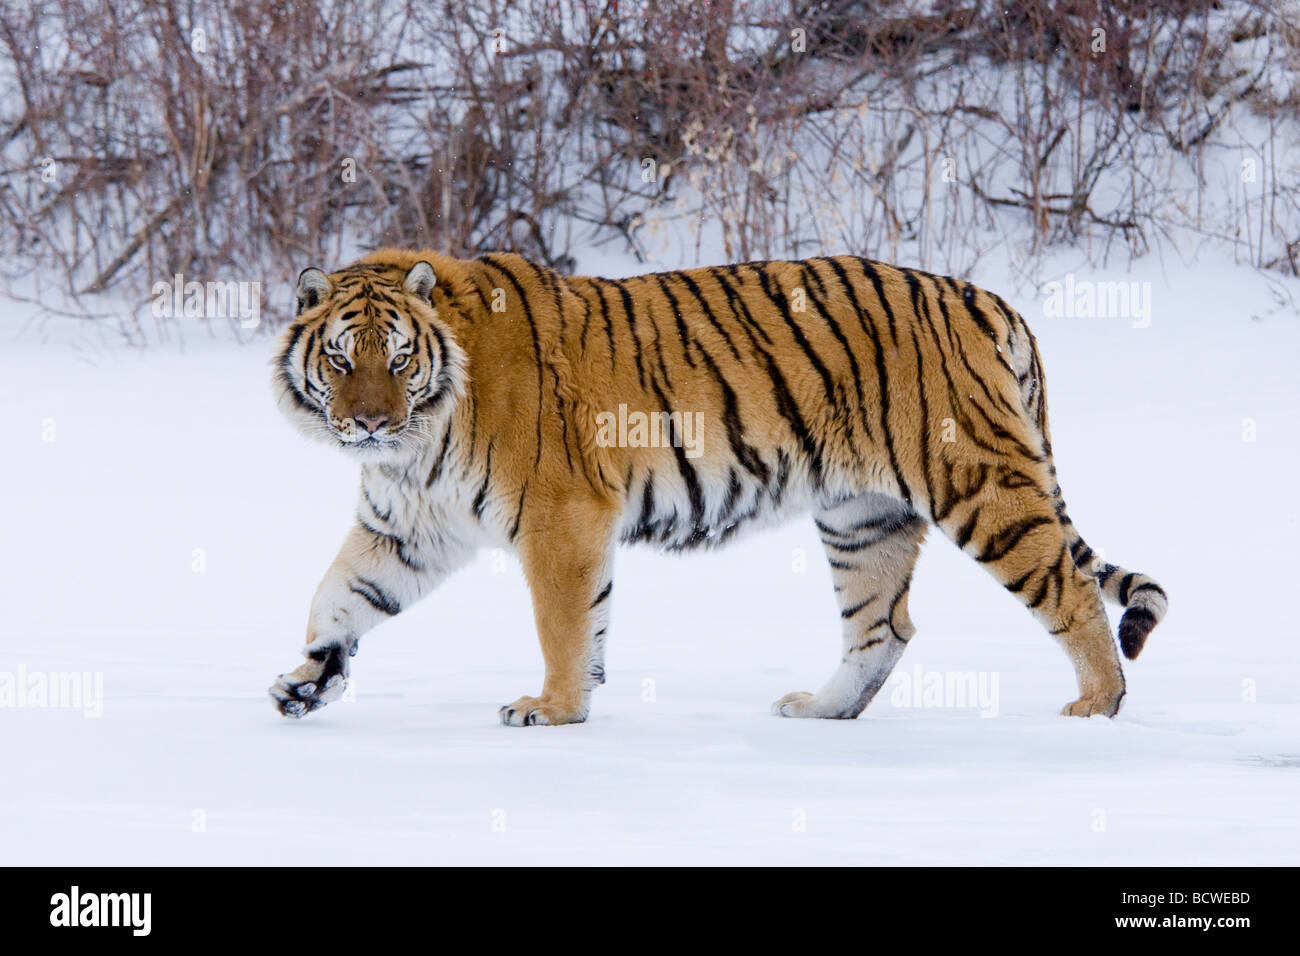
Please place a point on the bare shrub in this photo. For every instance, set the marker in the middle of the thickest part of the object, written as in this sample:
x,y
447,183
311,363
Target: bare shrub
x,y
142,138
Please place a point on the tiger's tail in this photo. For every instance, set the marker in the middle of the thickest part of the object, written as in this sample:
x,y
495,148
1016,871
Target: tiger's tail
x,y
1144,600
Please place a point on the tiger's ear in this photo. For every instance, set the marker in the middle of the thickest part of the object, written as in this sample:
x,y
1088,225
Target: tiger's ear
x,y
420,281
313,286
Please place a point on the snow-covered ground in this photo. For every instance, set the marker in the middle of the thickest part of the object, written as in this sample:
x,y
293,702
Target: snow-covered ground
x,y
171,534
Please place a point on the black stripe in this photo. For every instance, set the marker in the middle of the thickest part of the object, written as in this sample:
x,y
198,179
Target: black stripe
x,y
694,289
286,376
960,399
609,325
806,270
550,280
870,628
397,545
385,515
850,546
849,612
966,531
586,323
730,500
436,471
925,422
480,499
537,348
893,521
882,375
1057,573
630,313
1018,585
977,316
1005,541
874,277
519,512
677,315
782,307
375,597
1149,586
786,404
1039,595
657,341
748,457
647,501
893,606
957,346
693,490
747,323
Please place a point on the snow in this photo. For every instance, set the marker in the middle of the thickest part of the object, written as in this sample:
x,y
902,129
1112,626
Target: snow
x,y
161,452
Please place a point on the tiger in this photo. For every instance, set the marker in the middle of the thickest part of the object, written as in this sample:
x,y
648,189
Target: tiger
x,y
495,402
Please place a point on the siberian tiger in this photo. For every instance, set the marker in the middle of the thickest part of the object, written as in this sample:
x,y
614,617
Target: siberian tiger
x,y
495,402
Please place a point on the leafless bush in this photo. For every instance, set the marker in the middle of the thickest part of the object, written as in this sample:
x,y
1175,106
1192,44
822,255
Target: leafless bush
x,y
141,138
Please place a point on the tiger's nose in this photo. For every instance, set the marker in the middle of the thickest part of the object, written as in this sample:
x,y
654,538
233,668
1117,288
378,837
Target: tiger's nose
x,y
371,423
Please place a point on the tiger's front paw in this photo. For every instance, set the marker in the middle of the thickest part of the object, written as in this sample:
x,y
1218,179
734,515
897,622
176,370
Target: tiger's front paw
x,y
540,711
317,682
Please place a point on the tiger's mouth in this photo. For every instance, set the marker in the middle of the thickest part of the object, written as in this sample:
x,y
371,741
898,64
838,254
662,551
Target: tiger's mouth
x,y
372,449
371,441
369,446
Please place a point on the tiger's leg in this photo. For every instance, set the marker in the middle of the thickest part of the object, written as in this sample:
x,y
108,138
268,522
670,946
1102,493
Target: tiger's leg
x,y
374,576
1009,523
567,556
872,542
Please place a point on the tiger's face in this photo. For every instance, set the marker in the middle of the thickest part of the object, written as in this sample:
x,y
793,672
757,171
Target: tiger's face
x,y
368,364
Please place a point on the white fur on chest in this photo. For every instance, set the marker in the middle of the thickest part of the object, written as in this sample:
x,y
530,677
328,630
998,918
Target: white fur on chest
x,y
427,515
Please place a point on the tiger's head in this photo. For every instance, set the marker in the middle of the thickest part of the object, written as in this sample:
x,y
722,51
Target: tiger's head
x,y
368,364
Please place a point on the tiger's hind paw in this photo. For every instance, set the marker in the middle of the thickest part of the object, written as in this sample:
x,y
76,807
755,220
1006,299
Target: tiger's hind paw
x,y
803,704
793,705
310,686
1098,705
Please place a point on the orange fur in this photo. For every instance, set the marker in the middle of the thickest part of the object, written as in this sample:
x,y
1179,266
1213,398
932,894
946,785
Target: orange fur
x,y
875,397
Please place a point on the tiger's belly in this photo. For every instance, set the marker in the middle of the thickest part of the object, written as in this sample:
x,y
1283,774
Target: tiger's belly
x,y
679,510
670,502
